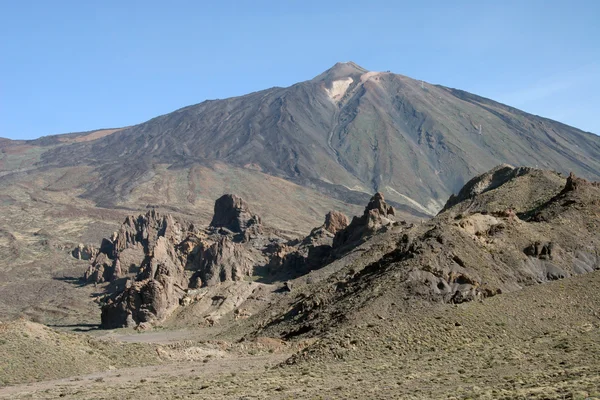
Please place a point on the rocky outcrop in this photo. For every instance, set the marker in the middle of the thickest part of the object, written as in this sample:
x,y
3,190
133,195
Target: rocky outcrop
x,y
292,259
233,213
377,214
162,257
84,252
147,252
224,260
335,221
574,183
485,182
506,189
135,240
540,250
155,292
169,270
506,234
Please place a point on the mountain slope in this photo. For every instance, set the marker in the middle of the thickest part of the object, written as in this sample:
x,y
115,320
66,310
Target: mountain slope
x,y
525,227
347,131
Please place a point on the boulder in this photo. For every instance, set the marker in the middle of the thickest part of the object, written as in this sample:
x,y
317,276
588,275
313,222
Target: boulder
x,y
335,221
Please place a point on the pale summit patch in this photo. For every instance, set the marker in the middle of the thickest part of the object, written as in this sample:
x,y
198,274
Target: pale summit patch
x,y
339,88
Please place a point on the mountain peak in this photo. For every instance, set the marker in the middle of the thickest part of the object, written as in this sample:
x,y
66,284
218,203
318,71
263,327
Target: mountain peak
x,y
341,70
349,65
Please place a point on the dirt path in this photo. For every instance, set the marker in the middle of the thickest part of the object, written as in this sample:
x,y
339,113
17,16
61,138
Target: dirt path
x,y
116,377
157,337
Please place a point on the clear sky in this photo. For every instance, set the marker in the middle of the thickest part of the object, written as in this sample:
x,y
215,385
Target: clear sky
x,y
68,66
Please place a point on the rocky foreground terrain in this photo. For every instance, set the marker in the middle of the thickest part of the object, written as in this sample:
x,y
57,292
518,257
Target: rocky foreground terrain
x,y
495,297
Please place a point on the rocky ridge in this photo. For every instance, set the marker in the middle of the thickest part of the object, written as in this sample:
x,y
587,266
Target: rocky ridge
x,y
513,228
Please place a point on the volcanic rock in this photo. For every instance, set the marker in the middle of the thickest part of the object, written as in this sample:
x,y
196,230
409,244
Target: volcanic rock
x,y
484,183
335,221
293,259
511,228
161,280
573,183
375,216
224,260
84,252
163,256
233,213
135,239
540,250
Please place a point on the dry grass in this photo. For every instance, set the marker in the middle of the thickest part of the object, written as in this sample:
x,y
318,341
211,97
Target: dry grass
x,y
34,352
539,343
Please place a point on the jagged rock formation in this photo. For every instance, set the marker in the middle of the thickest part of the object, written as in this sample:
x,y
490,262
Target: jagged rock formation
x,y
233,213
135,240
331,240
335,221
163,258
154,293
84,252
376,215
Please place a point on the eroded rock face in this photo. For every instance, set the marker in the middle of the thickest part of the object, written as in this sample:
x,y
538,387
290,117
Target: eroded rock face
x,y
233,213
162,257
313,252
84,252
134,240
146,250
156,291
224,260
335,221
376,215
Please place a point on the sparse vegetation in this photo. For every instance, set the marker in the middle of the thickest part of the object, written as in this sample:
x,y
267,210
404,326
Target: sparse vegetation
x,y
494,298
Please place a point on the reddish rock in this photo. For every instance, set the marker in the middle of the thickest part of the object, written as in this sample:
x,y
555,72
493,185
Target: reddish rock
x,y
335,221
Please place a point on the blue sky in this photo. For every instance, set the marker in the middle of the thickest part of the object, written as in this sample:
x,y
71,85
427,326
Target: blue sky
x,y
68,66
